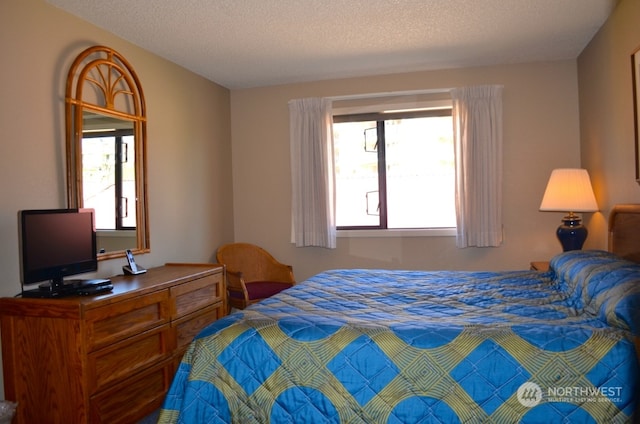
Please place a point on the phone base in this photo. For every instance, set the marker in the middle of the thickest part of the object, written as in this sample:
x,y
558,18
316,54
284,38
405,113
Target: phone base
x,y
127,270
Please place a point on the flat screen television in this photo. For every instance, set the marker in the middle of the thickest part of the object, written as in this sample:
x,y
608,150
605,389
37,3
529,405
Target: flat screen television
x,y
54,244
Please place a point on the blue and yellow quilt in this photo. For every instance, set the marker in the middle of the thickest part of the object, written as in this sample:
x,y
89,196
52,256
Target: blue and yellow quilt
x,y
381,346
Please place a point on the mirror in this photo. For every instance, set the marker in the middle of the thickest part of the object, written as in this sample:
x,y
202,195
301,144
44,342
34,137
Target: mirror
x,y
106,141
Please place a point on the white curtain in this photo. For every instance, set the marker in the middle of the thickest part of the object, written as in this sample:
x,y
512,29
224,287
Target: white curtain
x,y
313,181
477,120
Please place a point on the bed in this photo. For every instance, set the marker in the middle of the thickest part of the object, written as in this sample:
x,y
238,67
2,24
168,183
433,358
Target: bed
x,y
382,346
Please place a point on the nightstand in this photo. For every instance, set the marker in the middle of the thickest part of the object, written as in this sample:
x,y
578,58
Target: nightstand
x,y
540,266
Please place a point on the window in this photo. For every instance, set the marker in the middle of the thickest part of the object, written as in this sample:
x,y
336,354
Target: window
x,y
108,174
395,170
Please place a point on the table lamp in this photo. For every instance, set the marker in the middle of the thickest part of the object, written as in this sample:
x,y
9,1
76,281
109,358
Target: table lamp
x,y
569,190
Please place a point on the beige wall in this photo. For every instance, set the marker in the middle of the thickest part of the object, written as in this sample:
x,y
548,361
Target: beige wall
x,y
541,132
606,112
192,164
188,138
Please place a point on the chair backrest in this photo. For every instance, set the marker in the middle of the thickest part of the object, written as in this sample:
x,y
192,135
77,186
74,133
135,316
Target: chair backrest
x,y
255,263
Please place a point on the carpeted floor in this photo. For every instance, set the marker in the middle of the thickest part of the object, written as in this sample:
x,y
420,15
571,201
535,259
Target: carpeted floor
x,y
150,419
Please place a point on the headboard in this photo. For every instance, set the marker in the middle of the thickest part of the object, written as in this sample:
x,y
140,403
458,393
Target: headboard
x,y
624,231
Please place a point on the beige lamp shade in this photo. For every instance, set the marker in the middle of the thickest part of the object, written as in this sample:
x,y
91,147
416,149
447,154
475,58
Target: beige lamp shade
x,y
569,190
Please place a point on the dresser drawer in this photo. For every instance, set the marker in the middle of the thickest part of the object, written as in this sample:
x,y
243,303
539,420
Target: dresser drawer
x,y
125,358
196,294
109,324
134,399
188,327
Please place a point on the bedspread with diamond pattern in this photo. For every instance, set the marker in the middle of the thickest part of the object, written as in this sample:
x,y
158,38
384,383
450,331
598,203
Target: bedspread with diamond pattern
x,y
381,346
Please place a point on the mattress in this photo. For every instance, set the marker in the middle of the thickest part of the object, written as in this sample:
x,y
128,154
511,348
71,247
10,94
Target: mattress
x,y
394,346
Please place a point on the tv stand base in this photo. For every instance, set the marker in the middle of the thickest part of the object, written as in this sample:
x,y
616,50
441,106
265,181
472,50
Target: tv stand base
x,y
70,288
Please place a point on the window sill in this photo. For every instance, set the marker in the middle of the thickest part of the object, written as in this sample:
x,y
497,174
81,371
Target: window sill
x,y
418,232
115,233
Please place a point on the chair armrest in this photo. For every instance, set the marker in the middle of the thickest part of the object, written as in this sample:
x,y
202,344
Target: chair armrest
x,y
235,281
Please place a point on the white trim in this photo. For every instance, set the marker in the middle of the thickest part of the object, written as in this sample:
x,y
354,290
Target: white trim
x,y
389,94
409,232
394,107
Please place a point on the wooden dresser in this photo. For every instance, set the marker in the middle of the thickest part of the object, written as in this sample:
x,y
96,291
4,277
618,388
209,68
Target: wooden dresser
x,y
108,358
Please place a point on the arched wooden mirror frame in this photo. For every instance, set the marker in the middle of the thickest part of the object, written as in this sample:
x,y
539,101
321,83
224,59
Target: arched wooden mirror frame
x,y
102,82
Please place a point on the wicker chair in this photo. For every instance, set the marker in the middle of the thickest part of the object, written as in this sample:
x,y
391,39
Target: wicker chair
x,y
252,274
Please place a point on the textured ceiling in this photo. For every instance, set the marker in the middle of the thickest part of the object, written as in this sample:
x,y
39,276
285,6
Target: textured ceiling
x,y
250,43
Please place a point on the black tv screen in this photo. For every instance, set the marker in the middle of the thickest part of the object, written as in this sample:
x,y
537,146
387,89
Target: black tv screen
x,y
55,243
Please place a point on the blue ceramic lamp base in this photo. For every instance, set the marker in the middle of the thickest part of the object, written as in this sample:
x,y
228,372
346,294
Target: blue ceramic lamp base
x,y
571,233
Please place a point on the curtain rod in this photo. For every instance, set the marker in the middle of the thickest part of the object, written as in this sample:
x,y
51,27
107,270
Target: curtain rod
x,y
388,94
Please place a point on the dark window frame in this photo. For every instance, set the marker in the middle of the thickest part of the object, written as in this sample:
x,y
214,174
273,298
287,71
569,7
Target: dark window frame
x,y
380,118
119,153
